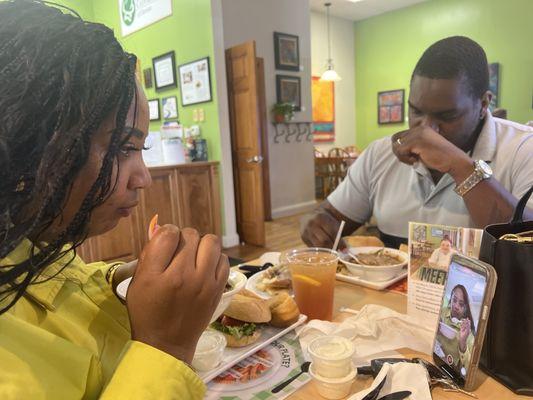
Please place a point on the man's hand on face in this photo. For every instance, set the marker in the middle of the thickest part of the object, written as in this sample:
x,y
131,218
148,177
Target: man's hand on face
x,y
422,143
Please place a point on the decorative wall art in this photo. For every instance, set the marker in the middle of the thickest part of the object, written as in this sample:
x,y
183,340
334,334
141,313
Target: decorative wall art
x,y
391,106
323,99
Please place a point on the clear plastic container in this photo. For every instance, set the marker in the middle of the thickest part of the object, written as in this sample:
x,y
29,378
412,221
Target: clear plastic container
x,y
333,388
209,350
331,355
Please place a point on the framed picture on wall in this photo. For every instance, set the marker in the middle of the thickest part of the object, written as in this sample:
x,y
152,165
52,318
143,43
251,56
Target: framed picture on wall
x,y
153,107
286,51
288,90
147,75
494,84
391,106
165,71
323,100
195,82
170,107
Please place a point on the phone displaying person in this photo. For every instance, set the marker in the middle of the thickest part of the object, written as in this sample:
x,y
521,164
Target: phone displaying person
x,y
465,307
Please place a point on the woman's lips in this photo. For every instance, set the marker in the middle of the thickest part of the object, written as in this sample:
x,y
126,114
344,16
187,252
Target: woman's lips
x,y
126,211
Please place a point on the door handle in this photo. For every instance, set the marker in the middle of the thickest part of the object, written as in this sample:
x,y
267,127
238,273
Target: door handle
x,y
255,160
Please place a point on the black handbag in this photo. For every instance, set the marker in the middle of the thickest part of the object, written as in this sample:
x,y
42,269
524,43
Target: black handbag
x,y
507,353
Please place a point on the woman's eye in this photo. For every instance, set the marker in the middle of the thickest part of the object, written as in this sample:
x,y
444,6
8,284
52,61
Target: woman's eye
x,y
126,150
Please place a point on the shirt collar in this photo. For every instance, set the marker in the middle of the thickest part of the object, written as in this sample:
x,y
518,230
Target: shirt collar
x,y
485,147
52,278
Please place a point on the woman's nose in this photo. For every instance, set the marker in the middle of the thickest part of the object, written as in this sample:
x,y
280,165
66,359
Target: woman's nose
x,y
141,178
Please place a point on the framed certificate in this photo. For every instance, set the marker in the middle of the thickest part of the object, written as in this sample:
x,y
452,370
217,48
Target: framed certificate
x,y
153,106
165,71
195,82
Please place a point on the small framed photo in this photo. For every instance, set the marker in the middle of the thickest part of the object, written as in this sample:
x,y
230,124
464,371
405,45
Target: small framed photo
x,y
286,51
195,82
165,71
288,90
391,107
170,107
147,75
153,107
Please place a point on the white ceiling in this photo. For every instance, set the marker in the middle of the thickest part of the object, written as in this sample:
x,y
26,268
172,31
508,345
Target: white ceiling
x,y
361,9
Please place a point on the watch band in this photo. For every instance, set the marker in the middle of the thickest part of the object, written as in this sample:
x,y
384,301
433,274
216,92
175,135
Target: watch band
x,y
469,183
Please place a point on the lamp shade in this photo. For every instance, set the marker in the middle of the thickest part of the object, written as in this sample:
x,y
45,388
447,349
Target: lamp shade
x,y
330,75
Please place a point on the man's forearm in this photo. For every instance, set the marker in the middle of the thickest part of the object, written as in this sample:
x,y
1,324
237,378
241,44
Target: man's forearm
x,y
488,202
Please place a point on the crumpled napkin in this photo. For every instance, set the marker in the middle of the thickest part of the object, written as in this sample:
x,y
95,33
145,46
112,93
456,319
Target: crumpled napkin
x,y
375,329
400,376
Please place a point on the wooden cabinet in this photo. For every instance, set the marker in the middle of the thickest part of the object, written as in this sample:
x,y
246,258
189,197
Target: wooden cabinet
x,y
185,195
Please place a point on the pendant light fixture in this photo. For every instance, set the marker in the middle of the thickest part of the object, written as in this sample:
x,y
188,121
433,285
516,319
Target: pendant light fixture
x,y
329,74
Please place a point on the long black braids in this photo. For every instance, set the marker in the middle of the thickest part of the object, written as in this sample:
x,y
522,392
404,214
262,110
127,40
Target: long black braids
x,y
60,78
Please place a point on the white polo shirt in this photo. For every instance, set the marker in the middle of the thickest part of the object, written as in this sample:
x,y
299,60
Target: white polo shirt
x,y
396,193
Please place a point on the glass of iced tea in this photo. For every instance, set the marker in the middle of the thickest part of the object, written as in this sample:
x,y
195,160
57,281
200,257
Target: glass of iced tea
x,y
313,280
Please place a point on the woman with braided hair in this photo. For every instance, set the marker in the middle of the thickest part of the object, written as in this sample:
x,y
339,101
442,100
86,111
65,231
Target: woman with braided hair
x,y
72,125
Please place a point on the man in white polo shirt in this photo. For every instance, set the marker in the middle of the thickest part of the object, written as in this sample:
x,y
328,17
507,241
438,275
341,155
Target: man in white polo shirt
x,y
455,165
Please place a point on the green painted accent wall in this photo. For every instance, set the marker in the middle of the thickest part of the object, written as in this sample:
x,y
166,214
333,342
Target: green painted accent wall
x,y
387,48
82,7
188,31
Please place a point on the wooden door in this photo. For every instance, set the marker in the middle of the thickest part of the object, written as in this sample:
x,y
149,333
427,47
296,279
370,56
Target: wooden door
x,y
159,199
261,97
245,124
198,201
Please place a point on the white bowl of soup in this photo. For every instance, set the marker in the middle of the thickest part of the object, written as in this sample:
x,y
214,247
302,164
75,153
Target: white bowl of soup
x,y
236,282
374,263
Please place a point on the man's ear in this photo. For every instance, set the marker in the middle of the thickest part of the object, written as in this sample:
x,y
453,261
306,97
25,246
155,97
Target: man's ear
x,y
485,101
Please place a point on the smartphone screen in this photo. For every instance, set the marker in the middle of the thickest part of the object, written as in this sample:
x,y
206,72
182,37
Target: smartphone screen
x,y
459,319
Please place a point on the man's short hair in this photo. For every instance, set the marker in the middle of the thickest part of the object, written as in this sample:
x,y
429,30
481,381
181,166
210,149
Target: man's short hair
x,y
456,57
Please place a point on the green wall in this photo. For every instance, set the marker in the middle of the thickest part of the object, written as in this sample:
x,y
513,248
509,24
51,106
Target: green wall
x,y
82,7
188,31
387,48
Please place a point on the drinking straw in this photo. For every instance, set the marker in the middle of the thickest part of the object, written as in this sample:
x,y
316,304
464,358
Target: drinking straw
x,y
338,238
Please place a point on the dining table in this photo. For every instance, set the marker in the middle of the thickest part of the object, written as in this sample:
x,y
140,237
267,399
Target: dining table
x,y
354,297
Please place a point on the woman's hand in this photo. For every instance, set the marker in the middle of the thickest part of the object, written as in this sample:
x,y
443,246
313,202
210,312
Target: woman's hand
x,y
178,283
463,334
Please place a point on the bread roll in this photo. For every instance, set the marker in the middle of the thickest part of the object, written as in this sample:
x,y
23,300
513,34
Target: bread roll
x,y
404,248
232,341
284,310
248,307
363,241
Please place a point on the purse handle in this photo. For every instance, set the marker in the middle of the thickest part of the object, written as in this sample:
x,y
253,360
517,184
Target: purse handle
x,y
518,216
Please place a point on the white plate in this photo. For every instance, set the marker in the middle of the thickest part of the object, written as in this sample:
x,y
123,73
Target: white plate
x,y
232,355
252,282
381,285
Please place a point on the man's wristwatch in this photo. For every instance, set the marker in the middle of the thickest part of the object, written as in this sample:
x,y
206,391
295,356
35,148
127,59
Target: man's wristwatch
x,y
481,172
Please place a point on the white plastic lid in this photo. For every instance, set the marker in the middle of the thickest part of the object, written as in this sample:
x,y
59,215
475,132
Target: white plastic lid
x,y
210,341
331,348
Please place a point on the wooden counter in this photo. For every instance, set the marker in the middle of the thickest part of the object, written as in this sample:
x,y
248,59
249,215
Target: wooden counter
x,y
186,195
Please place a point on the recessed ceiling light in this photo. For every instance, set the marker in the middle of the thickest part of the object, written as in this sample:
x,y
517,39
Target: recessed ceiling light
x,y
354,1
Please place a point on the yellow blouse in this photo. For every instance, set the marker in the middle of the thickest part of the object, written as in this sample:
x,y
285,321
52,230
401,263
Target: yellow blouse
x,y
69,338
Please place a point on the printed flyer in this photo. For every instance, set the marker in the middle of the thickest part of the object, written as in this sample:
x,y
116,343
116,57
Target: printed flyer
x,y
431,248
254,377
